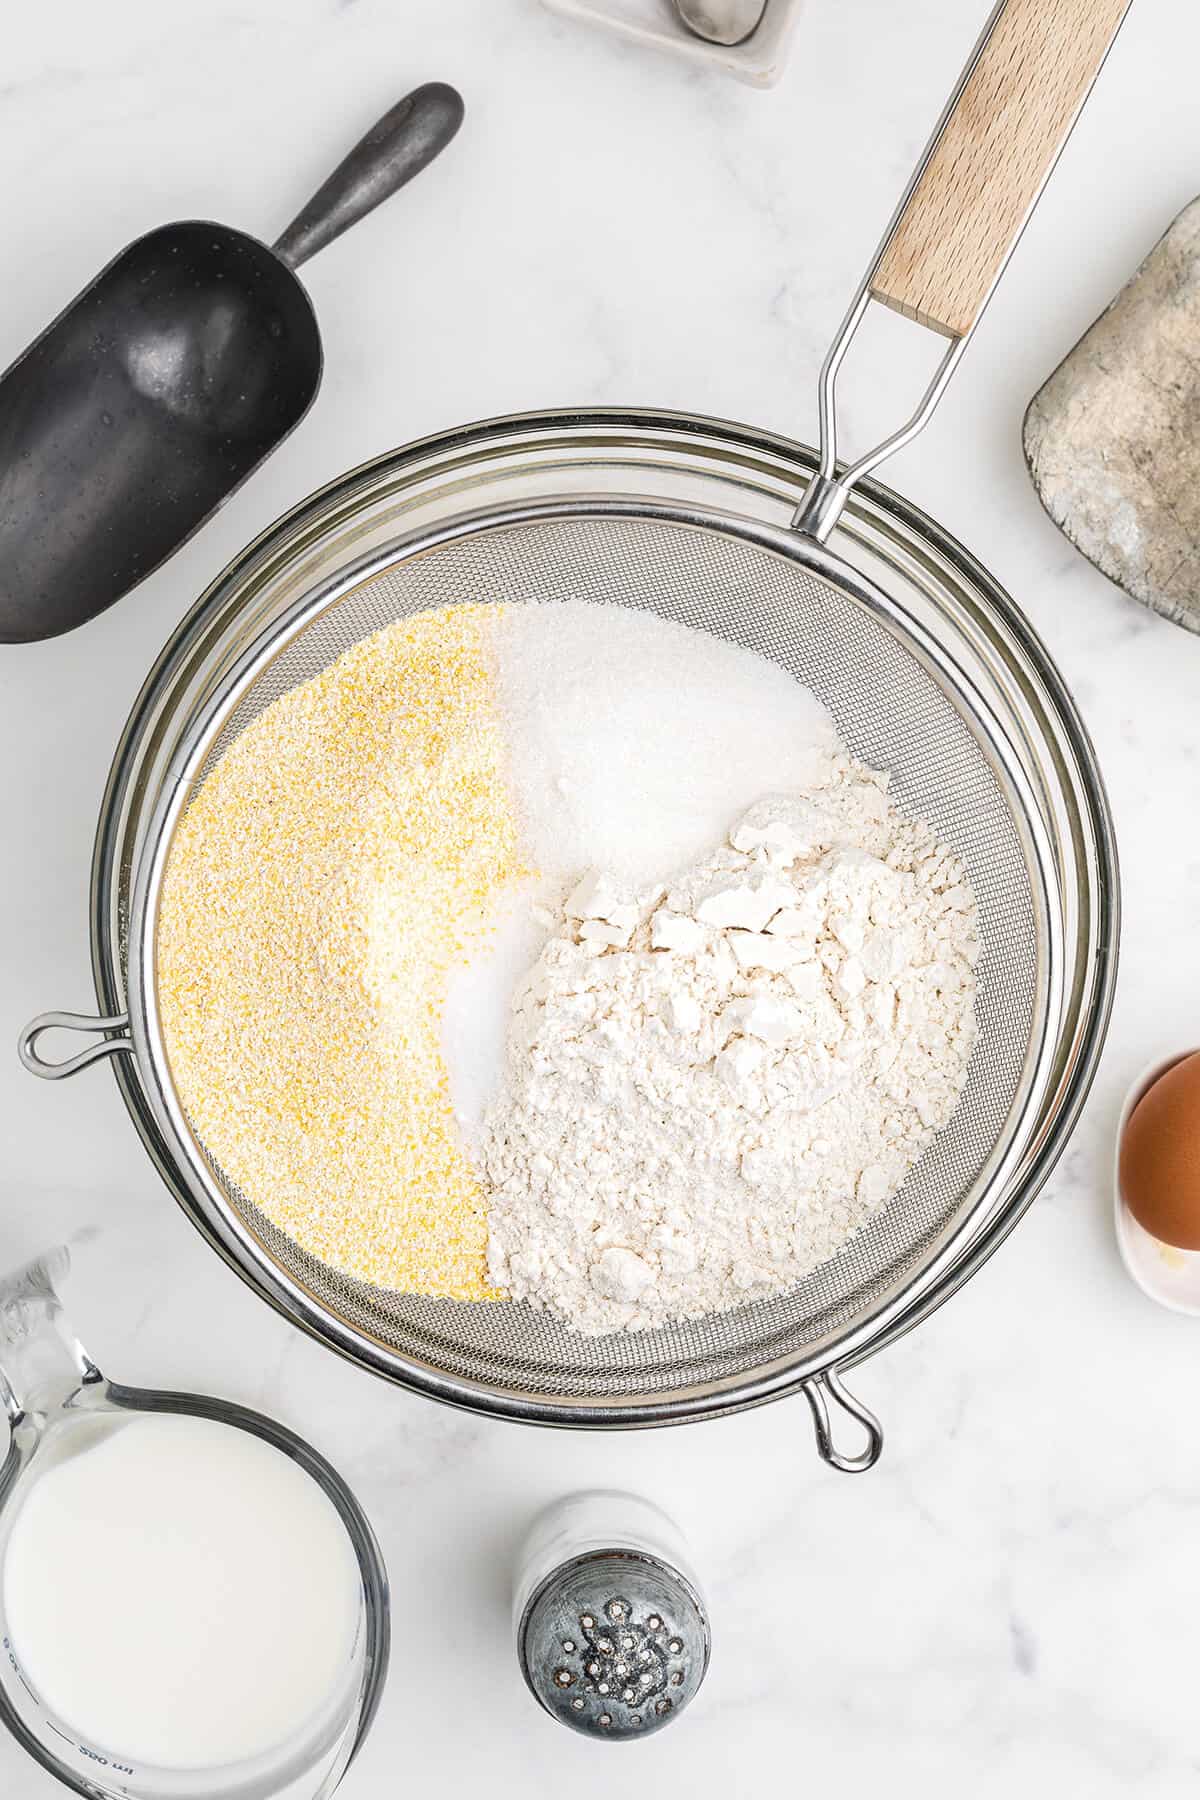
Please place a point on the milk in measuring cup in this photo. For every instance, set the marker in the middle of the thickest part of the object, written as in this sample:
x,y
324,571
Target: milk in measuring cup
x,y
180,1592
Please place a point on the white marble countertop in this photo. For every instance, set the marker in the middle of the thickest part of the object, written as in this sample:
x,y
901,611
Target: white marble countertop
x,y
1011,1601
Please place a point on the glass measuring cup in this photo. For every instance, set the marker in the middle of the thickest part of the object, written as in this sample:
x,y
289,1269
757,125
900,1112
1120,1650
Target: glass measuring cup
x,y
57,1399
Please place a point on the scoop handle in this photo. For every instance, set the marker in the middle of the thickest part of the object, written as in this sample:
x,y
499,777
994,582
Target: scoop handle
x,y
404,142
997,146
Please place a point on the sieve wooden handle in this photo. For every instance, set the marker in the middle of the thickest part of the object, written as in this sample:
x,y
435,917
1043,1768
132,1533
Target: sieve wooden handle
x,y
996,148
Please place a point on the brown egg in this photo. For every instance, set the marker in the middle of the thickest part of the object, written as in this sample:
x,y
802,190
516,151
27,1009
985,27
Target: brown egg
x,y
1160,1157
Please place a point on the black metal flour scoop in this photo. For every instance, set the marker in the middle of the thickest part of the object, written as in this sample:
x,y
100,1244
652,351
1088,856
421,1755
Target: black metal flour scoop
x,y
167,381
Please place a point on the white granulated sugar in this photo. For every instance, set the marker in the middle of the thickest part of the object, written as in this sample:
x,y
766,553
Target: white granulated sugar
x,y
708,1090
478,1006
633,743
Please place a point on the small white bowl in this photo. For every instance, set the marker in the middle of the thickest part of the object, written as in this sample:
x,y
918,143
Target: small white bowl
x,y
1170,1276
759,61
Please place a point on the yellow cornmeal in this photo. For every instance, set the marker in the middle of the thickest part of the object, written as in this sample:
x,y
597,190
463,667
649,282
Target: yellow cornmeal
x,y
332,869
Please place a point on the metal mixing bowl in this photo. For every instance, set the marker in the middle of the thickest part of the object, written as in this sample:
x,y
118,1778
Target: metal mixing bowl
x,y
696,467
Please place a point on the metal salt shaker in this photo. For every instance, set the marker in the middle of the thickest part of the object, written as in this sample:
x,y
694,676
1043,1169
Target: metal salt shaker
x,y
612,1630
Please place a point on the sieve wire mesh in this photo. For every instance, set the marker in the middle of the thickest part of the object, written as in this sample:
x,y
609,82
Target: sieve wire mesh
x,y
893,713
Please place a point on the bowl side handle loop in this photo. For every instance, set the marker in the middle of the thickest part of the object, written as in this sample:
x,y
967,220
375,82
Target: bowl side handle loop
x,y
818,1392
115,1030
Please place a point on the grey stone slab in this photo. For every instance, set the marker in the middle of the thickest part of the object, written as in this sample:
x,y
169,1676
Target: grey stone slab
x,y
1113,438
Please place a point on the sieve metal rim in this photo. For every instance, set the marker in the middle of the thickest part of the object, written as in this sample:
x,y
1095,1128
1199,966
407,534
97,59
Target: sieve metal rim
x,y
553,451
239,1242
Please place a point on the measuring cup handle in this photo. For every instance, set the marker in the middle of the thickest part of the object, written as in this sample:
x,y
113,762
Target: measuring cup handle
x,y
42,1362
404,142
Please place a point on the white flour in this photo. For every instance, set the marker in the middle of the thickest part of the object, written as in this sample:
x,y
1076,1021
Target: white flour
x,y
634,744
709,1089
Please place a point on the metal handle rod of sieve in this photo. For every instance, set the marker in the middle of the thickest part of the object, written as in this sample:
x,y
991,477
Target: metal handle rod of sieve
x,y
1024,59
828,492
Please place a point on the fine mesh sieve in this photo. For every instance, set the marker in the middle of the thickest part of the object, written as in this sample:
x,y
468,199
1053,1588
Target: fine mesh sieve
x,y
946,690
895,710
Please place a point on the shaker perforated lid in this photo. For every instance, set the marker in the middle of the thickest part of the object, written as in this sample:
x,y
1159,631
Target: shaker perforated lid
x,y
614,1643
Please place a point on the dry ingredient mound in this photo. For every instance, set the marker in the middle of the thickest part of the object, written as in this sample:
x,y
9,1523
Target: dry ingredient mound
x,y
335,865
634,742
720,1063
709,1088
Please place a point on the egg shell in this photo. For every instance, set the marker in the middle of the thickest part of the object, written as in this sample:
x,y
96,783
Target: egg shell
x,y
1160,1157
